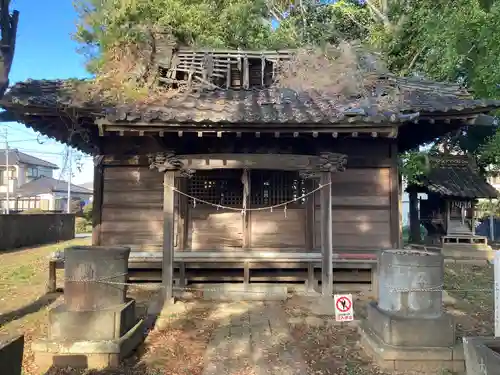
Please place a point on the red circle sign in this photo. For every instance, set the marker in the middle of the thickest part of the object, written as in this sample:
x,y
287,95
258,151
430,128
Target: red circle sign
x,y
343,304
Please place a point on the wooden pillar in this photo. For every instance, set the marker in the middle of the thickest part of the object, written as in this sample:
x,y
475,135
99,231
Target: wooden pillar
x,y
326,234
395,200
97,201
168,235
310,185
414,217
447,213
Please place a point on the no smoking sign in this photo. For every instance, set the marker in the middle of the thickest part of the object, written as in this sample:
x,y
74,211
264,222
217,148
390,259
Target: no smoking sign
x,y
343,307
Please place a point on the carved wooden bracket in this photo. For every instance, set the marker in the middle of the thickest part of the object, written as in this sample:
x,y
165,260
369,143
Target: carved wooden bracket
x,y
307,165
168,161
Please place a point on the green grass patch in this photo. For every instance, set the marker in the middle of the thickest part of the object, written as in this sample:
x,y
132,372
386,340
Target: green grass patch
x,y
22,273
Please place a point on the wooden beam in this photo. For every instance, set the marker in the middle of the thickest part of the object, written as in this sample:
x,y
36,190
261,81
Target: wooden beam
x,y
277,131
326,235
168,236
97,203
287,162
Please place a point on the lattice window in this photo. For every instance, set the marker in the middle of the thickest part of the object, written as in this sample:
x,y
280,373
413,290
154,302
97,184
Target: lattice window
x,y
274,187
222,187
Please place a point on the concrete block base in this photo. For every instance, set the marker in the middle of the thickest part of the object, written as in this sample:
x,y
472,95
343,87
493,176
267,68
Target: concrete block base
x,y
106,324
242,292
424,359
11,354
482,355
411,331
87,354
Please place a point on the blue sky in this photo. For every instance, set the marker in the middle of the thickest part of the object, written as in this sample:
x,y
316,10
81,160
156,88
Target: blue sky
x,y
45,50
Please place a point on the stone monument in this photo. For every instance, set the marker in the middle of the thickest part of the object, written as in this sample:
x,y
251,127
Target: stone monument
x,y
407,328
96,327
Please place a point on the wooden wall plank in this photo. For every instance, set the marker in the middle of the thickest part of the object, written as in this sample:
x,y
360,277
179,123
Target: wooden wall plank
x,y
132,209
361,209
360,201
210,228
273,229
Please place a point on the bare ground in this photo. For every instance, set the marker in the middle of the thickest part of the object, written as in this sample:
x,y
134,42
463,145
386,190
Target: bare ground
x,y
179,348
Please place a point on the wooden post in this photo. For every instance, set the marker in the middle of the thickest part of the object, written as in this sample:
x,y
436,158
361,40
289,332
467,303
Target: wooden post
x,y
97,202
473,217
414,217
447,206
309,216
168,235
326,234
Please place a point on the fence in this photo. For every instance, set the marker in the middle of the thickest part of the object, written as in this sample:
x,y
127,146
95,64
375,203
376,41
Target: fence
x,y
18,230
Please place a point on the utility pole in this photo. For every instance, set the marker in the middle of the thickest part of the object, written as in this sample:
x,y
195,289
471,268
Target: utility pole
x,y
68,209
7,174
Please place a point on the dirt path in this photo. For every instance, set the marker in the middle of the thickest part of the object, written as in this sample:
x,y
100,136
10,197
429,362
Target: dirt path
x,y
253,339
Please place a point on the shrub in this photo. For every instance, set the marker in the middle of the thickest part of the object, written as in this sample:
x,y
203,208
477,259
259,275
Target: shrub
x,y
82,225
87,212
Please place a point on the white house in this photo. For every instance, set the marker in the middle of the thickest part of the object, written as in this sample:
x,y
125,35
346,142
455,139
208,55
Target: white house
x,y
31,184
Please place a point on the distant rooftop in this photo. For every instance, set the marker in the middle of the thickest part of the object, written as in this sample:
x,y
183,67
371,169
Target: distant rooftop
x,y
46,184
88,185
17,157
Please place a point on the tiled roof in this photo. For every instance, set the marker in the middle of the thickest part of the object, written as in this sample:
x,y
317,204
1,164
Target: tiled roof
x,y
16,157
456,176
416,97
46,184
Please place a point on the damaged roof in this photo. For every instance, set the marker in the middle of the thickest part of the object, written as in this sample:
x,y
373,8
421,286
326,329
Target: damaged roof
x,y
416,98
456,176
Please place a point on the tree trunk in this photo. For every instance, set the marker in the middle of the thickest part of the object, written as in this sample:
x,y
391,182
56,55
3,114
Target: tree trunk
x,y
8,29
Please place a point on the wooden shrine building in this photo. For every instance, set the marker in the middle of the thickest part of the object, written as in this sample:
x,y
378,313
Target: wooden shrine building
x,y
275,184
453,185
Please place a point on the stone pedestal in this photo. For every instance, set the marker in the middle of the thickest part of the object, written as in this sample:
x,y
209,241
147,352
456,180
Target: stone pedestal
x,y
97,326
11,354
407,329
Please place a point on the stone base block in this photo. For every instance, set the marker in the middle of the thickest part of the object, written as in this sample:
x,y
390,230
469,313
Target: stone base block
x,y
85,353
424,359
411,331
109,324
241,292
11,354
482,355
